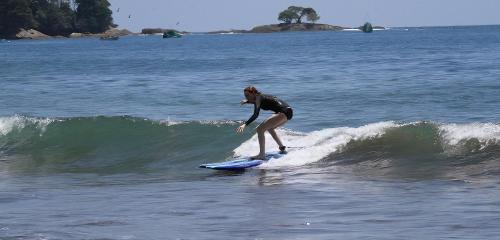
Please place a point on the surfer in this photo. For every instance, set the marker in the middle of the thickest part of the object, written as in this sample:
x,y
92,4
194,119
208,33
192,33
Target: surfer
x,y
282,113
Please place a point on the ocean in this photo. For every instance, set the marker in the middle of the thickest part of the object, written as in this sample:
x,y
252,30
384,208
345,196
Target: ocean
x,y
395,135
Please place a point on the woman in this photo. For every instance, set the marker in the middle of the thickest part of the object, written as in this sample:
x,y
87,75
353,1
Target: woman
x,y
282,113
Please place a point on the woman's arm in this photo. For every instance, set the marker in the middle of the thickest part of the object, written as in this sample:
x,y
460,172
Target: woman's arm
x,y
255,114
256,111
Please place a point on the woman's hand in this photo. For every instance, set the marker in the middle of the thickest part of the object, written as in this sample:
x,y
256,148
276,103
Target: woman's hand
x,y
244,101
241,128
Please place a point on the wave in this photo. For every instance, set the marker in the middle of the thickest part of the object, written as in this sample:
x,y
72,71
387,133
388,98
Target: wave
x,y
127,144
387,148
112,144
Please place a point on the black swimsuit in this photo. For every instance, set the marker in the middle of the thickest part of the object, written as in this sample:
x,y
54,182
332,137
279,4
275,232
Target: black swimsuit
x,y
269,102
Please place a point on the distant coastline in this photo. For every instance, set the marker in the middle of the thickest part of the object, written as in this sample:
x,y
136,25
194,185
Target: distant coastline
x,y
94,19
291,27
269,28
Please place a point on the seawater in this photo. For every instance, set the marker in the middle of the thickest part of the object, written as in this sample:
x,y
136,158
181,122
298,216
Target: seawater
x,y
396,135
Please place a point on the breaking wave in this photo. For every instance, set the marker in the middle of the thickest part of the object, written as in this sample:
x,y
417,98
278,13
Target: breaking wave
x,y
127,144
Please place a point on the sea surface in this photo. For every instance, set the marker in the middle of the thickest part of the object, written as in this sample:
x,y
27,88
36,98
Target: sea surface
x,y
396,135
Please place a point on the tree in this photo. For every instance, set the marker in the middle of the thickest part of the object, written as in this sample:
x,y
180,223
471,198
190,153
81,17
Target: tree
x,y
53,17
3,17
15,14
93,16
287,16
311,14
298,11
67,18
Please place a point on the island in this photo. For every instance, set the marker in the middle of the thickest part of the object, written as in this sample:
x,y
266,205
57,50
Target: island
x,y
289,27
41,19
292,19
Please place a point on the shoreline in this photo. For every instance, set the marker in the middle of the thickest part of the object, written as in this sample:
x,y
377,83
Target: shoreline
x,y
33,34
36,35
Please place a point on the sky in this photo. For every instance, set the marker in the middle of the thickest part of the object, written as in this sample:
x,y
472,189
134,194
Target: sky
x,y
211,15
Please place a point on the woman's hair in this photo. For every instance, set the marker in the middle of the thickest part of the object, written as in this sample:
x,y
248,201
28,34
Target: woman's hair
x,y
251,89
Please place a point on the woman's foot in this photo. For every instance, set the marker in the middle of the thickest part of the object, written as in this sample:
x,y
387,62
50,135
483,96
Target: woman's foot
x,y
282,150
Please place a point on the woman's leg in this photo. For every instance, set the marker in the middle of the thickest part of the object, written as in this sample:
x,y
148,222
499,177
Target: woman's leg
x,y
271,122
273,133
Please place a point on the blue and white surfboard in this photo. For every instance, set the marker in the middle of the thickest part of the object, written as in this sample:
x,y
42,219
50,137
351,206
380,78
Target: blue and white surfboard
x,y
240,163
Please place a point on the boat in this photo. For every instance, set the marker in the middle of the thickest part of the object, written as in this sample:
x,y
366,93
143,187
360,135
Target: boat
x,y
110,37
172,34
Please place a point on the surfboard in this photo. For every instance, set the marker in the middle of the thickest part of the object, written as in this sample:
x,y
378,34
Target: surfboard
x,y
240,163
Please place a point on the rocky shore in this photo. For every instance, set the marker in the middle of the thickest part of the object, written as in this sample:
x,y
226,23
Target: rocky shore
x,y
114,32
30,34
36,35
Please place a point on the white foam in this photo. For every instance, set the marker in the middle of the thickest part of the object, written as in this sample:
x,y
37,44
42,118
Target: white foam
x,y
169,122
8,124
351,30
485,133
314,146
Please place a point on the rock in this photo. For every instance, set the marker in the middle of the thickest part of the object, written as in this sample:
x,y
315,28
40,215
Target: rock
x,y
367,28
117,32
76,35
232,31
111,33
151,30
30,34
160,31
110,37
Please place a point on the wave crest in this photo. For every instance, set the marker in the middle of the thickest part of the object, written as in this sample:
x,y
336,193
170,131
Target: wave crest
x,y
112,144
452,143
128,144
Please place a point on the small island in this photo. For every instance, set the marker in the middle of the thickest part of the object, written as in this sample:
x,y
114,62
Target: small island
x,y
40,19
292,19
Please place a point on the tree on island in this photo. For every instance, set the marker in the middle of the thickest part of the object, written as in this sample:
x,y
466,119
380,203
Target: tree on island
x,y
15,14
297,13
54,17
93,16
311,14
288,16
